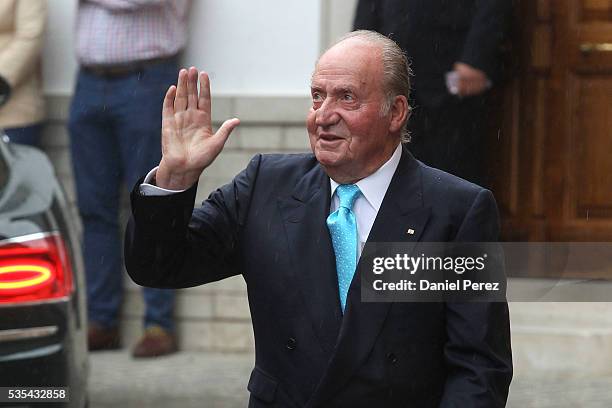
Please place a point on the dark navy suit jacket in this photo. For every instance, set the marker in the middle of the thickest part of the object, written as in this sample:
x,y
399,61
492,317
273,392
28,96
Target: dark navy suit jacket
x,y
268,225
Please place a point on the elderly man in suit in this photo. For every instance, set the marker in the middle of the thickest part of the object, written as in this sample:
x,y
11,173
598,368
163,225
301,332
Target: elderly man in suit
x,y
292,225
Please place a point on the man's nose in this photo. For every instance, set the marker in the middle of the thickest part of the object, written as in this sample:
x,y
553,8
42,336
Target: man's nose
x,y
326,115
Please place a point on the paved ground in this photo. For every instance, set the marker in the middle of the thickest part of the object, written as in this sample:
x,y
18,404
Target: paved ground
x,y
185,380
208,380
543,392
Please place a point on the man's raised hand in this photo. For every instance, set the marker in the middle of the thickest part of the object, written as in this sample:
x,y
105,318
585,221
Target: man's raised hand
x,y
188,142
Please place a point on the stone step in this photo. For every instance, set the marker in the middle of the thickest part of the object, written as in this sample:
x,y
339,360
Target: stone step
x,y
562,338
213,317
209,335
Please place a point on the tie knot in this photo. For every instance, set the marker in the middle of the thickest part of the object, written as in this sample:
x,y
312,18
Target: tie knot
x,y
347,193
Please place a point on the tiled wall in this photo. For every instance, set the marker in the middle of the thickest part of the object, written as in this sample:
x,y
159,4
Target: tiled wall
x,y
215,316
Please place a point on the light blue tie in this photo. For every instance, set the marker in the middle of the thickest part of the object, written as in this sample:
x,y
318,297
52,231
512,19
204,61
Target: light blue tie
x,y
343,229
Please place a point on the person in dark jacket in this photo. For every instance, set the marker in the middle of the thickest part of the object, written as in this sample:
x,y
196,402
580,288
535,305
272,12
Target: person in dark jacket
x,y
454,49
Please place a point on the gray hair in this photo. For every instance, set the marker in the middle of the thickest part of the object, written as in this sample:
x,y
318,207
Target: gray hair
x,y
396,70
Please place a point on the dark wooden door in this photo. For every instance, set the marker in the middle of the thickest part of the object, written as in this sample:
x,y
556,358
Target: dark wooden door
x,y
552,154
579,201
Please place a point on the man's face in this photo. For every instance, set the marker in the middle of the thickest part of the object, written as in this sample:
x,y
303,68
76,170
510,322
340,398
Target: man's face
x,y
348,132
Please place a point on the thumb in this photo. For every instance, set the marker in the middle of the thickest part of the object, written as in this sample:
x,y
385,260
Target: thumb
x,y
226,129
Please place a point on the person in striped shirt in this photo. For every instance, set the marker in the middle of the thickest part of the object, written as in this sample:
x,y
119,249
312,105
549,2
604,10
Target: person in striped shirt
x,y
128,55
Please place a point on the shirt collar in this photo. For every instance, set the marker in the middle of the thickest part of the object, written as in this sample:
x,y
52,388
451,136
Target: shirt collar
x,y
374,187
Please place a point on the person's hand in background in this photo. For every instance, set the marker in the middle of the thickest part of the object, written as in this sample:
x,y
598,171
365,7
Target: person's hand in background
x,y
470,81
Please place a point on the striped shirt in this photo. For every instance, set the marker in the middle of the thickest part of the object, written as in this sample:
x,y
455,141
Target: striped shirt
x,y
114,32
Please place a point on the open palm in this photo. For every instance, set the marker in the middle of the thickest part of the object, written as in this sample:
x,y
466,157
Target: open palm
x,y
188,143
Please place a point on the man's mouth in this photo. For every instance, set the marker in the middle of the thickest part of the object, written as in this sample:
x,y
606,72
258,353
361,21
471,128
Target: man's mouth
x,y
328,137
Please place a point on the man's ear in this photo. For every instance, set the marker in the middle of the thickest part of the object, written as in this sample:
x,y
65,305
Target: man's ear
x,y
400,111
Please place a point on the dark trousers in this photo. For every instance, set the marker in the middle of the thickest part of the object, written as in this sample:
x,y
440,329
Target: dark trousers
x,y
115,128
452,137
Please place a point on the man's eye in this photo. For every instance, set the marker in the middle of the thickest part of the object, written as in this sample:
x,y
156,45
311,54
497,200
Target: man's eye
x,y
347,97
316,97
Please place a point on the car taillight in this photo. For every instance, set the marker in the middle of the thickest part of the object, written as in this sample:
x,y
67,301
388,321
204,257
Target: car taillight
x,y
34,268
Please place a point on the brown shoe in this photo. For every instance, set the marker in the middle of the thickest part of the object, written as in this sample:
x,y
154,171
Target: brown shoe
x,y
155,342
102,338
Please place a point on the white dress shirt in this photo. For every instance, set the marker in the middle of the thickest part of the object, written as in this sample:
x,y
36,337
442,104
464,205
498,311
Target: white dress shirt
x,y
147,188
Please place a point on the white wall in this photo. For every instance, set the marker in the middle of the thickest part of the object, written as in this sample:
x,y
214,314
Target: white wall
x,y
249,47
340,15
255,47
59,64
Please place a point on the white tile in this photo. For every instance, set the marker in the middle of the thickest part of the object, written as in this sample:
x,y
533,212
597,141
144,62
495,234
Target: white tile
x,y
228,164
261,137
272,109
231,307
196,335
295,138
58,107
234,286
61,160
194,305
55,135
221,109
232,337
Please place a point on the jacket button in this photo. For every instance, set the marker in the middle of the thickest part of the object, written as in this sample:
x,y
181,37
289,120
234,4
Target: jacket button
x,y
291,343
392,358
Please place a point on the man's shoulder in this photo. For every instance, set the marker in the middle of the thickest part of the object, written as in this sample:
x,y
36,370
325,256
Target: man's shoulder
x,y
280,174
444,189
278,171
287,160
466,211
287,166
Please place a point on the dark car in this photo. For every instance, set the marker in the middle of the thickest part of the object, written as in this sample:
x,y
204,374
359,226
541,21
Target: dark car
x,y
43,324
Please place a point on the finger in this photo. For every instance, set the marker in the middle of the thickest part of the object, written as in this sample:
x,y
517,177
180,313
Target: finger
x,y
180,101
226,129
480,85
472,88
462,87
192,88
204,99
168,106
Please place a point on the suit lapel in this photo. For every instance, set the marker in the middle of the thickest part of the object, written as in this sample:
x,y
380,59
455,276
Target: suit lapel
x,y
402,209
304,215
